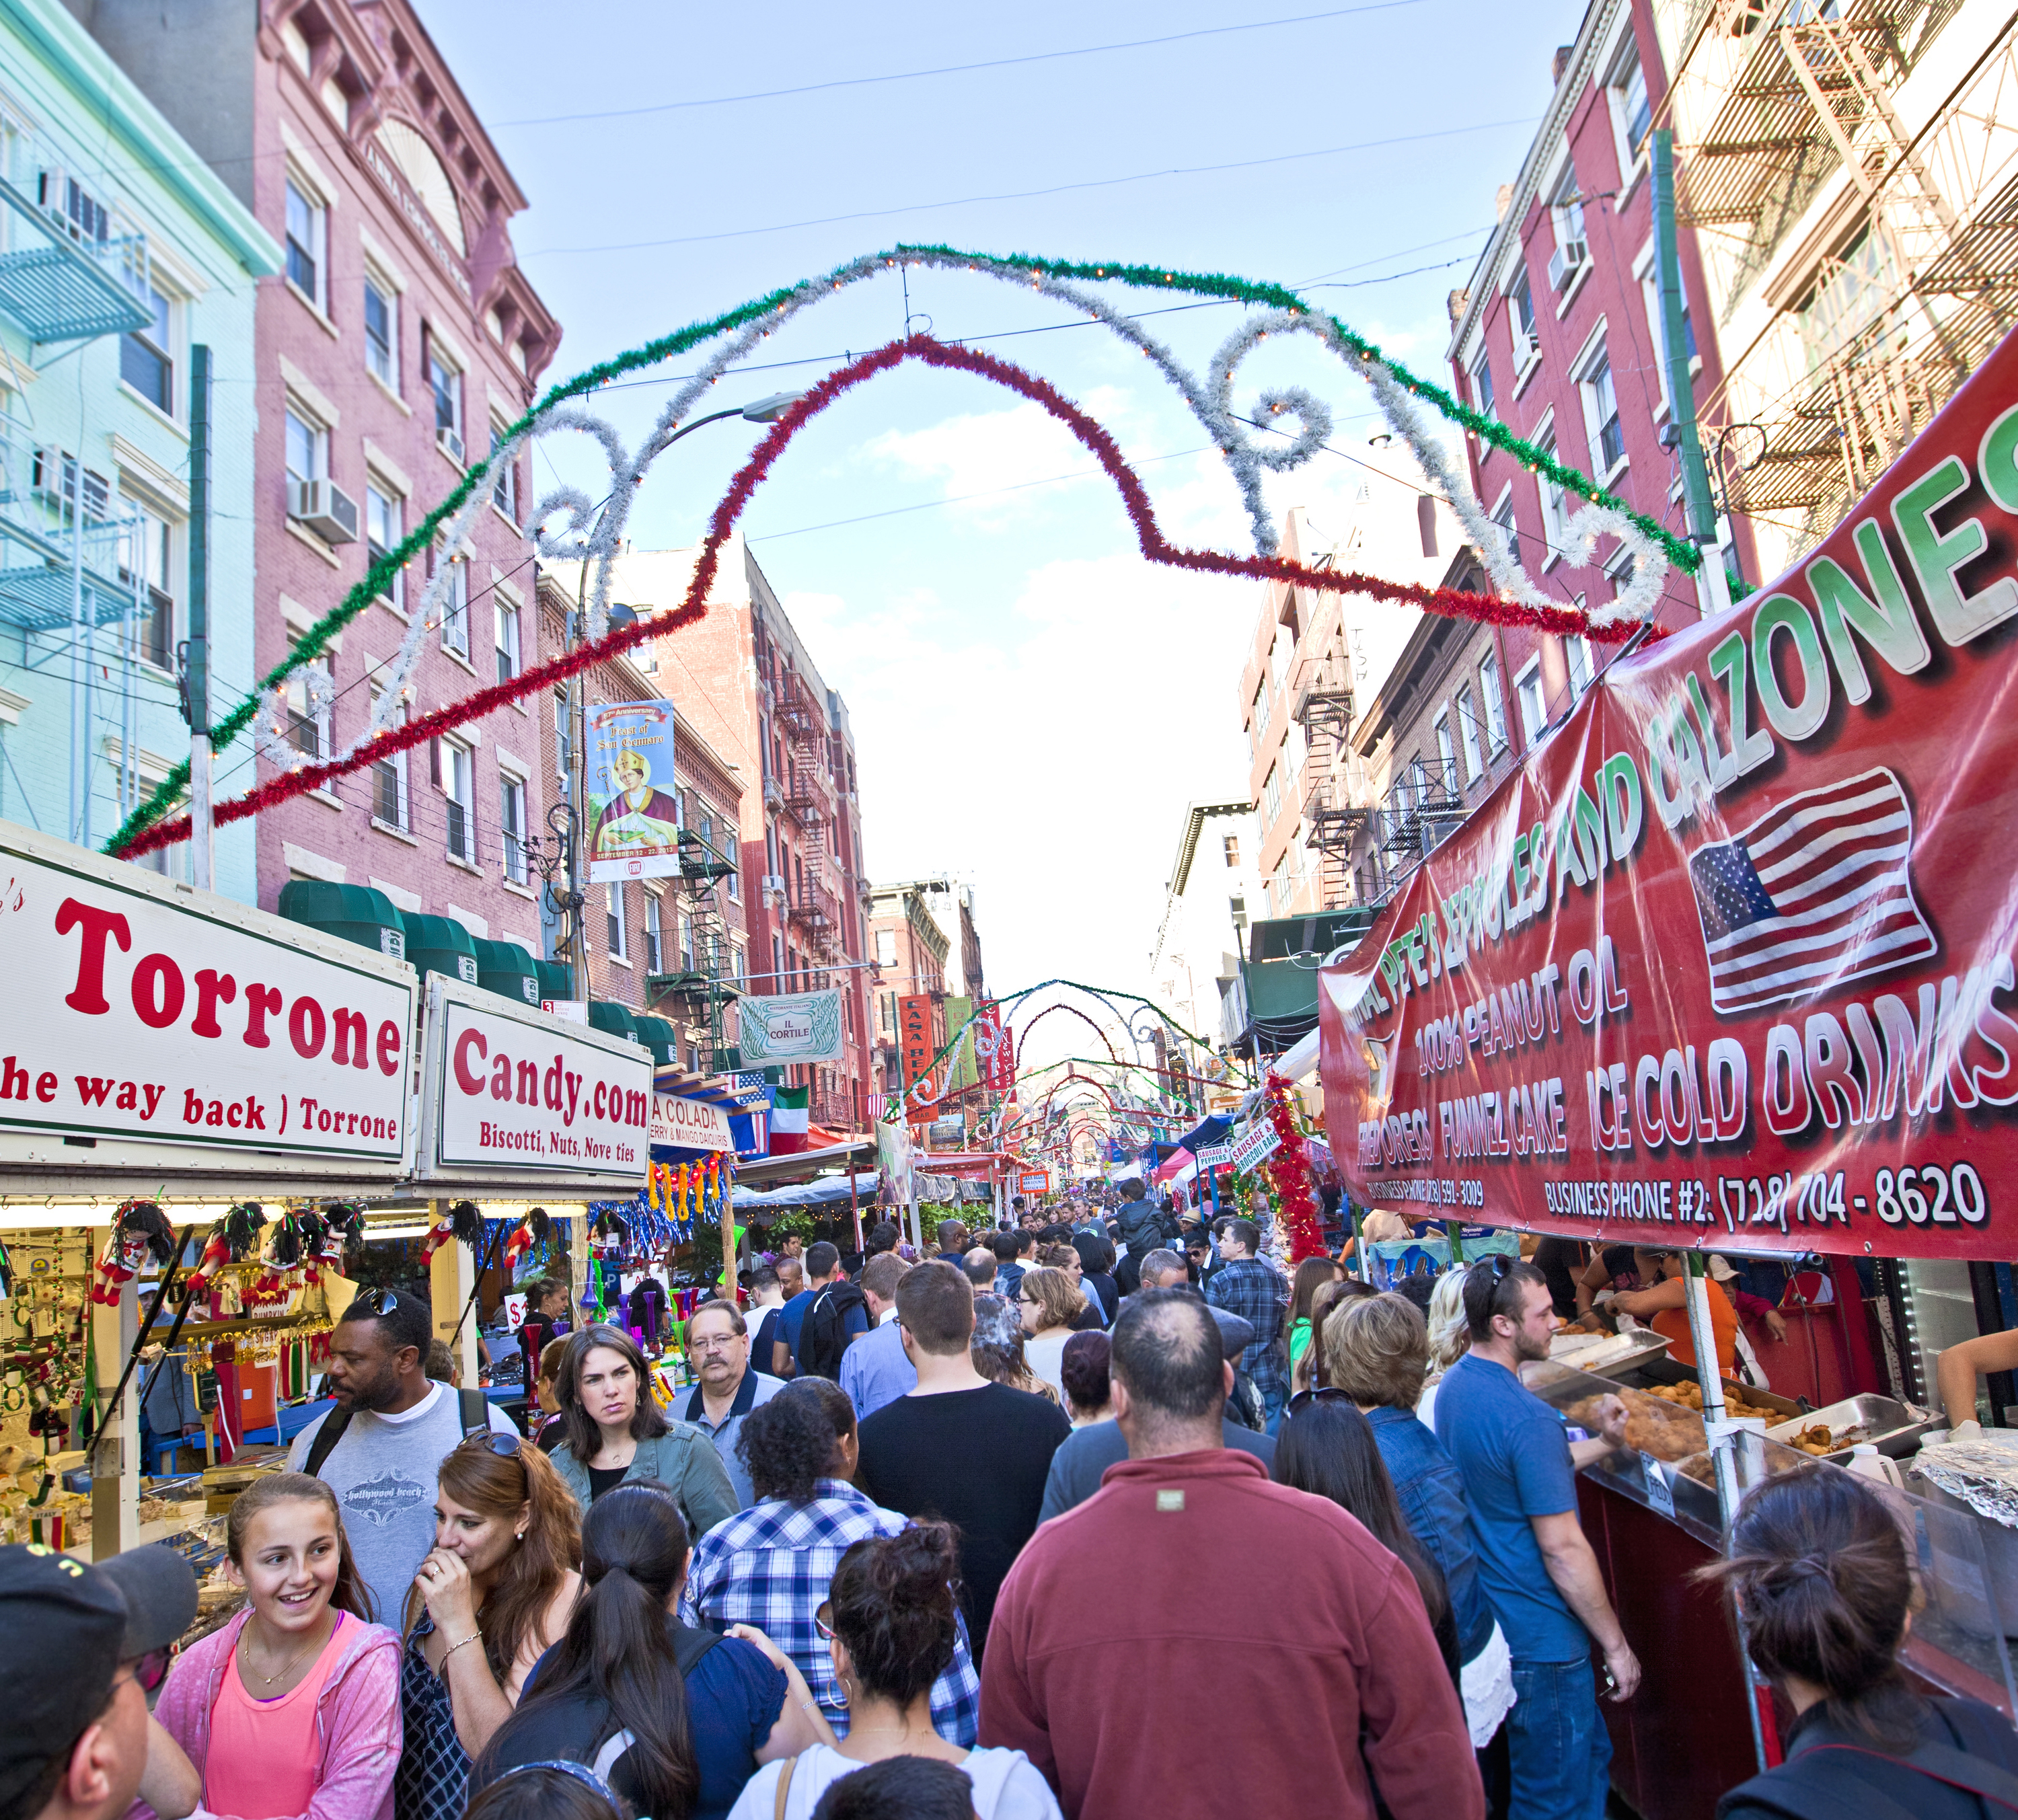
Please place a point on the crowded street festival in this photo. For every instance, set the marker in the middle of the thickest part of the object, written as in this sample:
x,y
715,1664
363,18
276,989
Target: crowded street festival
x,y
538,1284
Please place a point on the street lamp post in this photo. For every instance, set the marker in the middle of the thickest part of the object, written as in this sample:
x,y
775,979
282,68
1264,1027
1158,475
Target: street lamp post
x,y
567,819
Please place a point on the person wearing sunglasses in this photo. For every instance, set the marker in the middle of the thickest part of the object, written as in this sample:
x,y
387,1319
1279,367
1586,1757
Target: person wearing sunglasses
x,y
378,1449
81,1649
492,1594
293,1707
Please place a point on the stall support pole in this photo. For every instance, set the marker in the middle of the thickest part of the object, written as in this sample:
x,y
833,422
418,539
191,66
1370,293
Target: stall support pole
x,y
855,1204
451,1276
115,1474
1359,1256
1455,1234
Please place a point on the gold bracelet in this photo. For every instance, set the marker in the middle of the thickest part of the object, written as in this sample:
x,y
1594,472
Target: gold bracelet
x,y
454,1647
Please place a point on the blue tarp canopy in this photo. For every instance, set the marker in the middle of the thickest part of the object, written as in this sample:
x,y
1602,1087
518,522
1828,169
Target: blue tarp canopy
x,y
1211,1131
820,1193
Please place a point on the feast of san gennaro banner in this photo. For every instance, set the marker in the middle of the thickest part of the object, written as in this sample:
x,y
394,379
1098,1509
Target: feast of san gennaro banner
x,y
1728,959
633,801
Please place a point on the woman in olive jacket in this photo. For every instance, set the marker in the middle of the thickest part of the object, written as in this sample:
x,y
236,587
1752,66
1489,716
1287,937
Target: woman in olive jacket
x,y
617,1434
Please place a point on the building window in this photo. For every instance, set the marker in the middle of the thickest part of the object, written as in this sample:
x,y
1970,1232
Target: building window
x,y
384,527
445,382
511,825
308,728
144,560
739,961
458,781
886,948
688,957
508,639
1232,845
1491,699
1631,109
613,920
1576,651
1534,703
654,960
455,609
145,361
1467,733
1271,793
1566,217
307,452
307,230
1650,285
382,331
1502,516
1601,413
389,781
1554,508
505,481
1447,754
1261,709
1520,317
1482,385
1848,296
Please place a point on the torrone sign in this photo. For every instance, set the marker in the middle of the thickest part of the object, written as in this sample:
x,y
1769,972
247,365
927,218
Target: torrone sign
x,y
1729,960
509,1089
134,1010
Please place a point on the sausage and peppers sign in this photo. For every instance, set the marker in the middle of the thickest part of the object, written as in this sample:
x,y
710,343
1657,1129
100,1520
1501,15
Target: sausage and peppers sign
x,y
510,1089
1729,960
135,1010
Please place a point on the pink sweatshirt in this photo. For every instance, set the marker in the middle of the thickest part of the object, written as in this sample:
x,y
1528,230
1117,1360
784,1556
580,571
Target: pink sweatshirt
x,y
357,1719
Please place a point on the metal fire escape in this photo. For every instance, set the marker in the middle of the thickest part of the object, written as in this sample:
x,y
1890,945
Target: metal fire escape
x,y
813,909
699,986
1917,275
1322,705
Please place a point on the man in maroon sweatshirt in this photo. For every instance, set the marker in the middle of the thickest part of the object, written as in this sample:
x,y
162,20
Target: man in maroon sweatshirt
x,y
1310,1636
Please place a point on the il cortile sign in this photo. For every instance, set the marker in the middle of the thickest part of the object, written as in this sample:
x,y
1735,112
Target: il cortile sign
x,y
506,1089
692,1124
1730,959
136,1010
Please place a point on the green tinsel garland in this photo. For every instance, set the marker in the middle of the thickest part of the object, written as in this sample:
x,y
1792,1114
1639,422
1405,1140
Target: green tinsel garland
x,y
378,576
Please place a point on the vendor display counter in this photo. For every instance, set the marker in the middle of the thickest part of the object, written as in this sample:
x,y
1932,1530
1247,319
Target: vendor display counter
x,y
1650,1511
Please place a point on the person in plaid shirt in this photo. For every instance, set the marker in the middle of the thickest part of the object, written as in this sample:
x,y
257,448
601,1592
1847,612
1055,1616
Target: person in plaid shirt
x,y
770,1565
1252,1288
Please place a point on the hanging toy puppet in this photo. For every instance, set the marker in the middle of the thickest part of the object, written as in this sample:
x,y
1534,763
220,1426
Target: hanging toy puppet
x,y
139,1229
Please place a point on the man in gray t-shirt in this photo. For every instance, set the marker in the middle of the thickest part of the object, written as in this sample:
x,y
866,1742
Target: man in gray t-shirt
x,y
382,1468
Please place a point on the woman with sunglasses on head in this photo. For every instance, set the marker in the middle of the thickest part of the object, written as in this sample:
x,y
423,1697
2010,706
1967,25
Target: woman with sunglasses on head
x,y
678,1719
493,1594
293,1707
890,1626
616,1435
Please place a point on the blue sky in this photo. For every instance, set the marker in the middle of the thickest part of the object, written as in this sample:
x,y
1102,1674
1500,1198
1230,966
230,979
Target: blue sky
x,y
1033,703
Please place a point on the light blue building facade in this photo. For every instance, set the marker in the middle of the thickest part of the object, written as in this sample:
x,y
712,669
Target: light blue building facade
x,y
121,250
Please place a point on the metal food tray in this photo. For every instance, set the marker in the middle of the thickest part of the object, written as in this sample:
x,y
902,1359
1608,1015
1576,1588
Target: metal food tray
x,y
1894,1428
1650,1346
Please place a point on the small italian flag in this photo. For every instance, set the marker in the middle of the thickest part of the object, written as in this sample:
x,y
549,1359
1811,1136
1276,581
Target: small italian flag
x,y
788,1120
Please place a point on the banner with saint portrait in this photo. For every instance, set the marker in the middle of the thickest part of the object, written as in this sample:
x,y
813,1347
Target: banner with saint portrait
x,y
634,804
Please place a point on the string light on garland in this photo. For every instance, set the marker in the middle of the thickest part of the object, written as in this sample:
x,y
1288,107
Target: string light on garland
x,y
601,535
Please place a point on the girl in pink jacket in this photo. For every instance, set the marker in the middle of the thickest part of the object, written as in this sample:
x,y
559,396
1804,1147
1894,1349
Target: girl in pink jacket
x,y
290,1711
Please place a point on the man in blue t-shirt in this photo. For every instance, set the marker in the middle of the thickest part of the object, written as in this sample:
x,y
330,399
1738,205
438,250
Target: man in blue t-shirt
x,y
784,1330
1537,1568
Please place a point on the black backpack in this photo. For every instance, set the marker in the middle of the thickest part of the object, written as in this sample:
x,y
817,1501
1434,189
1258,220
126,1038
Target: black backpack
x,y
823,1338
476,1421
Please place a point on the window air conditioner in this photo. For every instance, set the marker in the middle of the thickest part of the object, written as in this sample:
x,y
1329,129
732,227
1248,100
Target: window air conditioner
x,y
325,509
450,443
1564,260
773,885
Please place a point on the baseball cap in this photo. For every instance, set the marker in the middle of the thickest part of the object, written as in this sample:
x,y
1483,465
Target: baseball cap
x,y
1719,1268
68,1627
1236,1334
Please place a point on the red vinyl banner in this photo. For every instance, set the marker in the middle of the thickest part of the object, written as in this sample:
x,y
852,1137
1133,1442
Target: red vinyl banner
x,y
1727,962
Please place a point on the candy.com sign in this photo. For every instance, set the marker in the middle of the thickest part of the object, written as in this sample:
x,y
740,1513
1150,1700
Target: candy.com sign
x,y
512,1090
135,1010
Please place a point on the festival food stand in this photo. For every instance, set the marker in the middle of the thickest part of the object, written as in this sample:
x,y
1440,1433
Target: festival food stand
x,y
1725,964
204,1109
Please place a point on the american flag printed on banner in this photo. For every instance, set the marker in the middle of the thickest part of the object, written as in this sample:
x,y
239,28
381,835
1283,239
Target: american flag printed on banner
x,y
1814,894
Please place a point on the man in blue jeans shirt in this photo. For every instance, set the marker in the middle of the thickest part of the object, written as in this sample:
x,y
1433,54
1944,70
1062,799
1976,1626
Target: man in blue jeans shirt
x,y
1538,1570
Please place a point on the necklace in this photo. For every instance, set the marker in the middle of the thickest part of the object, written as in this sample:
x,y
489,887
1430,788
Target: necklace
x,y
294,1662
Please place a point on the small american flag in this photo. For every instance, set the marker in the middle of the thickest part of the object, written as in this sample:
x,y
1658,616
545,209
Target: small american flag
x,y
1814,894
875,1106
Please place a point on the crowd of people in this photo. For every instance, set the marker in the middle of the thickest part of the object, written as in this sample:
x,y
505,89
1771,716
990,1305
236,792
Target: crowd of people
x,y
971,1534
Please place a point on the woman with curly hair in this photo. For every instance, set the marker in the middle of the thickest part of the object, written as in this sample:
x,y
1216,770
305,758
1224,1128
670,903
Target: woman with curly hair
x,y
998,1349
769,1566
492,1594
892,1626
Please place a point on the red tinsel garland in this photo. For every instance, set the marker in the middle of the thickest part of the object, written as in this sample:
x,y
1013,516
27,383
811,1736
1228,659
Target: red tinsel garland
x,y
1289,1170
1489,610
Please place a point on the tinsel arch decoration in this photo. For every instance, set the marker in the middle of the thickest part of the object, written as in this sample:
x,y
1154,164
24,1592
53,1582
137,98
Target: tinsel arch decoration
x,y
1282,312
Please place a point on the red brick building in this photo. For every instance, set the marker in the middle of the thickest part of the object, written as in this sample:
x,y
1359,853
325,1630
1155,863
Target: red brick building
x,y
745,681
